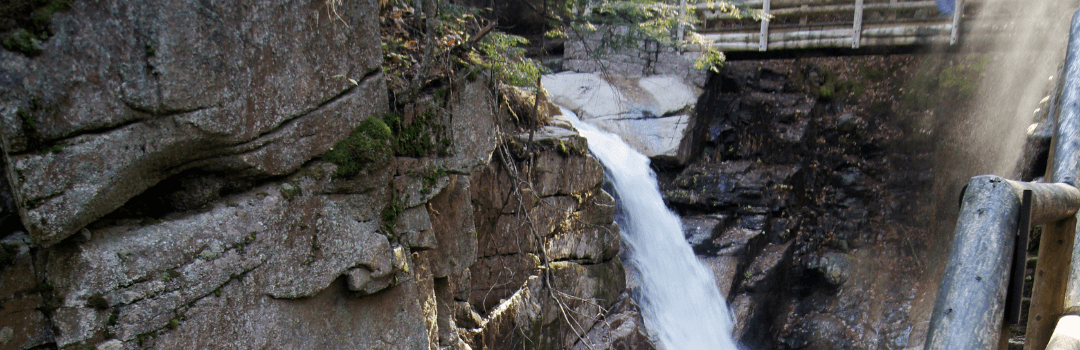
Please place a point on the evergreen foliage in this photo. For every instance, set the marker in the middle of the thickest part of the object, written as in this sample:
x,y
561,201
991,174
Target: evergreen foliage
x,y
502,54
626,24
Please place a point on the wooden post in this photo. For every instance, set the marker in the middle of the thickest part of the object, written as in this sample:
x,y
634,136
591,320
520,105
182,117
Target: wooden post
x,y
856,30
958,11
1051,272
682,23
764,43
805,18
892,14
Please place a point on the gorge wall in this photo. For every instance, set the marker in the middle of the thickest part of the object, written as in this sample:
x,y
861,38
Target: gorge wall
x,y
165,189
796,202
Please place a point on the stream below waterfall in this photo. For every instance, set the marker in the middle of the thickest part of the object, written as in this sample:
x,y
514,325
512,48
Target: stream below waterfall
x,y
679,299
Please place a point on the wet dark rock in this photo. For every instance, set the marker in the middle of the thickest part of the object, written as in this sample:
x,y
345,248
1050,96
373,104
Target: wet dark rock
x,y
755,302
792,133
848,122
741,184
818,331
14,246
9,213
808,185
736,241
849,177
771,81
835,267
701,229
754,222
761,275
742,308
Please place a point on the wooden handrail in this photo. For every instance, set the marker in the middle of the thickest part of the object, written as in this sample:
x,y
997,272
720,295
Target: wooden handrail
x,y
777,4
817,10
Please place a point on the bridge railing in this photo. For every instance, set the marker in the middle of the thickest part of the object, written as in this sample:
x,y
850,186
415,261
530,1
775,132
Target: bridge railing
x,y
804,24
976,296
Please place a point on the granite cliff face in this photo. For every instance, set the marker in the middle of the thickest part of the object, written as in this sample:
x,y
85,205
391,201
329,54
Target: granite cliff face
x,y
163,160
809,202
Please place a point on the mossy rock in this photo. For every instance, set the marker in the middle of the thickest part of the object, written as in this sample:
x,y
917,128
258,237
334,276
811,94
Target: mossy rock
x,y
421,135
8,252
22,41
29,23
369,143
391,213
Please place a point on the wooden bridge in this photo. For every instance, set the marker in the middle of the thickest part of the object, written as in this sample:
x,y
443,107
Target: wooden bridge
x,y
809,24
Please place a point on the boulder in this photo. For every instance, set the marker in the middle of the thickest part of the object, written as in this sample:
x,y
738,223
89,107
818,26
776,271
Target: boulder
x,y
836,267
649,113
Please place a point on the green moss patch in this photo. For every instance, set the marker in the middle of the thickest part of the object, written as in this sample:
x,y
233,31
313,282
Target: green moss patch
x,y
391,213
420,136
24,42
829,86
28,118
28,23
369,143
8,252
430,178
939,80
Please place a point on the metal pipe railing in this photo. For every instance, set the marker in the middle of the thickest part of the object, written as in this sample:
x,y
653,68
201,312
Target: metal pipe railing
x,y
1066,156
968,313
1060,311
969,310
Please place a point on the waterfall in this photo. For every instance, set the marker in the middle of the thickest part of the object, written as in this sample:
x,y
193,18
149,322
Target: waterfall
x,y
678,296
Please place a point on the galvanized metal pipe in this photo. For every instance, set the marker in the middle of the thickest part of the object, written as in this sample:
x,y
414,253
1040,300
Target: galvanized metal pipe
x,y
969,310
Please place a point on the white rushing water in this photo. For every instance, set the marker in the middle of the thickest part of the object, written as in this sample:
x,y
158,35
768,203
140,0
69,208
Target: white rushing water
x,y
678,296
